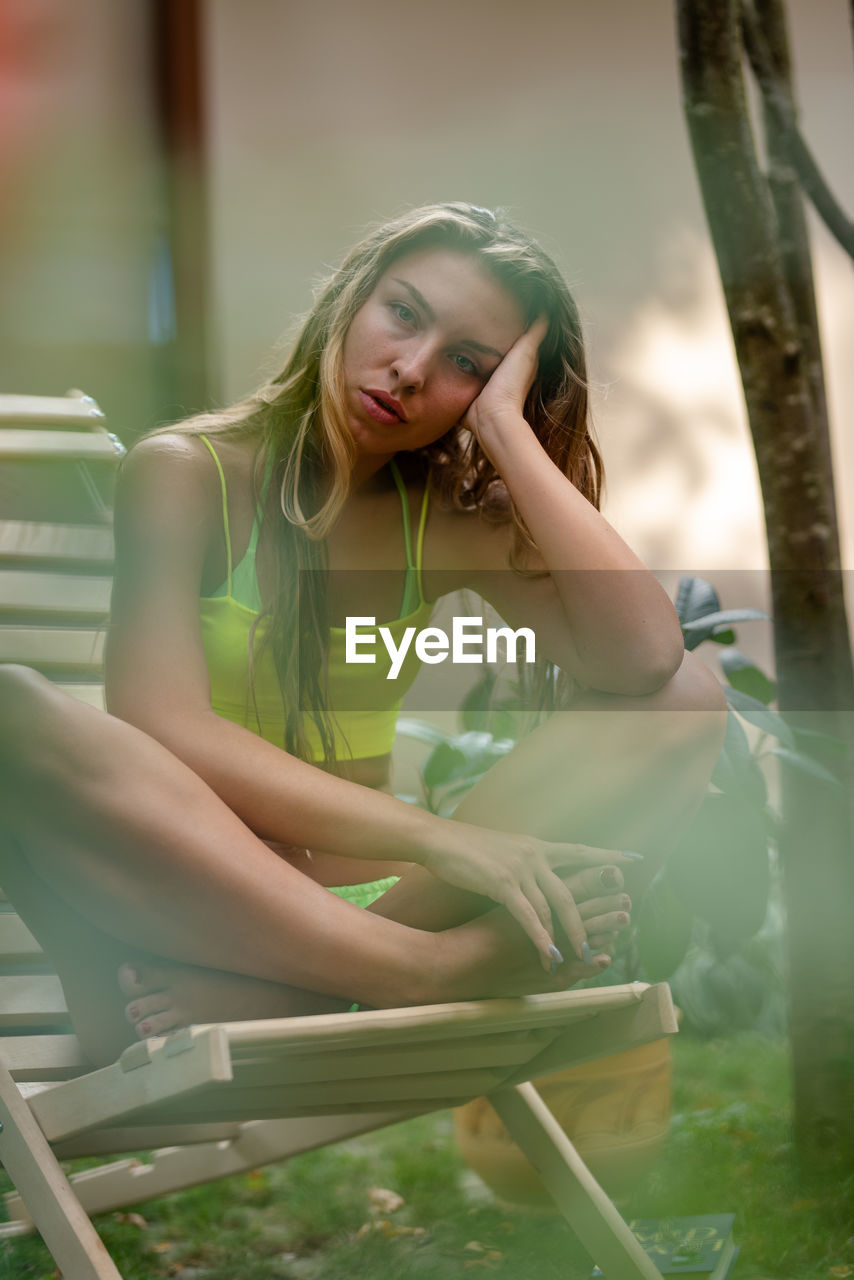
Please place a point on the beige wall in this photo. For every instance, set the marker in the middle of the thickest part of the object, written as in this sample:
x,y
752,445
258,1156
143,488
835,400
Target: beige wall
x,y
327,115
80,204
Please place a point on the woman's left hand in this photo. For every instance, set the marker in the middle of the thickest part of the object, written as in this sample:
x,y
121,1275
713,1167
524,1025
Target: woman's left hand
x,y
502,400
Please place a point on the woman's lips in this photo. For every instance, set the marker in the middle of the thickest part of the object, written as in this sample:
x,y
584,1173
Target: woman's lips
x,y
380,409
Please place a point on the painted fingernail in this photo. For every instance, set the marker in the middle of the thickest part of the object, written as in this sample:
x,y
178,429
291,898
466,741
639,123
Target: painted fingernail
x,y
556,959
629,853
602,962
622,917
608,876
145,1028
586,953
134,1012
626,902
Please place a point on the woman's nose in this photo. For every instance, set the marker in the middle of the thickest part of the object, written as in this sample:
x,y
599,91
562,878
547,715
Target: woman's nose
x,y
412,365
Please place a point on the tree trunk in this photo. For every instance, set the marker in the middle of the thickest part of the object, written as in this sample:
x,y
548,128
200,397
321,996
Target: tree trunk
x,y
759,234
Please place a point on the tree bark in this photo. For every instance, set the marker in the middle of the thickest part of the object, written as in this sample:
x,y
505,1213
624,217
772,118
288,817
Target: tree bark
x,y
759,234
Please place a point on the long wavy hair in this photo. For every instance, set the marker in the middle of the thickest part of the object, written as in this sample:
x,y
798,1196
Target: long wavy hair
x,y
306,450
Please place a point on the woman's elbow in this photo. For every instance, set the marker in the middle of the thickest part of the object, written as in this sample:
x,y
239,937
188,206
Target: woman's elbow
x,y
644,671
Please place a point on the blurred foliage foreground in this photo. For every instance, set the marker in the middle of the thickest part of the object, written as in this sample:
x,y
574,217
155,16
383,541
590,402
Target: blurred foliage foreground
x,y
711,923
398,1204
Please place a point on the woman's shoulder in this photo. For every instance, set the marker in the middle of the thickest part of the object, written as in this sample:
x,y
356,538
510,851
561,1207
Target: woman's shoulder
x,y
469,536
180,464
169,485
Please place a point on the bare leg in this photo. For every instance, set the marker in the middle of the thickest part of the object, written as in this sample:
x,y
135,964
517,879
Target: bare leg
x,y
612,771
134,844
138,846
164,995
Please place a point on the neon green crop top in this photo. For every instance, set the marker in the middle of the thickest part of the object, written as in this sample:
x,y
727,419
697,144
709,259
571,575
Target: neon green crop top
x,y
365,704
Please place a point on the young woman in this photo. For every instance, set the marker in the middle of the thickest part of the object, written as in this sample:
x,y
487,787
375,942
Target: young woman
x,y
431,424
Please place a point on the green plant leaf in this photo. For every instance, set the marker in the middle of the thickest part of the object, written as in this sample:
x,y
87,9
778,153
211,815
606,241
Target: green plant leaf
x,y
422,731
695,597
757,713
806,764
444,763
664,930
745,676
719,995
726,616
717,626
725,637
720,869
476,707
736,771
828,743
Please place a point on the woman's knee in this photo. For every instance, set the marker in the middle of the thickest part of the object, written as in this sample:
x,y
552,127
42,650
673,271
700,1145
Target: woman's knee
x,y
24,700
695,701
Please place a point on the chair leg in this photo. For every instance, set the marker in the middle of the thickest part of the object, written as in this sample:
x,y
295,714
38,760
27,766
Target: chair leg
x,y
69,1235
175,1168
577,1194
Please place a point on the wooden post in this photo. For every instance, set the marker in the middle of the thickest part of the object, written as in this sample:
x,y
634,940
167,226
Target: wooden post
x,y
759,237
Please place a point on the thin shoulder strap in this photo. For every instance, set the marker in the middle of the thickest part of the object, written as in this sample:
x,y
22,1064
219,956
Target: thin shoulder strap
x,y
224,491
404,502
422,524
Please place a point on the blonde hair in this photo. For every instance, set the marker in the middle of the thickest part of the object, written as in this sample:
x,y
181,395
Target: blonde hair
x,y
299,420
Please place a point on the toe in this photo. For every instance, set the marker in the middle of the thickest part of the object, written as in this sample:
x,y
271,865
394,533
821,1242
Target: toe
x,y
142,979
129,980
157,1024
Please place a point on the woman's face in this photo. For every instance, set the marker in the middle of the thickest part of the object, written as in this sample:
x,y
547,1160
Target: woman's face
x,y
422,347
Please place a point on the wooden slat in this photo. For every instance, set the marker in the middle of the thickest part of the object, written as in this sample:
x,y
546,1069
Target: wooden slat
x,y
91,694
114,1093
54,411
17,944
404,1060
20,444
612,1031
31,540
434,1089
54,648
422,1023
53,594
31,1000
44,1057
242,1107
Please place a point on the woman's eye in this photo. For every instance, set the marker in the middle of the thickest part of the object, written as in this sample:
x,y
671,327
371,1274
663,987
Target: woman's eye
x,y
464,364
403,312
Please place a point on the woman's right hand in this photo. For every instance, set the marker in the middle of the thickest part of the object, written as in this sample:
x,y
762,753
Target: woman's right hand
x,y
520,873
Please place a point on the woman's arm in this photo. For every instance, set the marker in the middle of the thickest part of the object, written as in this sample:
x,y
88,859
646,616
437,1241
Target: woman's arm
x,y
621,632
168,521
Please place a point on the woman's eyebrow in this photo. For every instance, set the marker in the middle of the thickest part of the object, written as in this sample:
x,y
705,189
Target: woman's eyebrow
x,y
431,314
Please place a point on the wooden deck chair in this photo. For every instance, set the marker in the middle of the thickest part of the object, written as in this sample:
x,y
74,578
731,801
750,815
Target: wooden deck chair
x,y
57,465
225,1098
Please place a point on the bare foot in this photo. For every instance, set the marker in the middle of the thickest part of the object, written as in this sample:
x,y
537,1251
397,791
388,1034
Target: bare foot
x,y
491,956
167,995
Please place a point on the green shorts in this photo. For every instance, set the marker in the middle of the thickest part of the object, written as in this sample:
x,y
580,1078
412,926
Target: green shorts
x,y
362,895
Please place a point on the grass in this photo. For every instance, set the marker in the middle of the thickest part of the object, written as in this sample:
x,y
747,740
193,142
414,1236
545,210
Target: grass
x,y
320,1216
